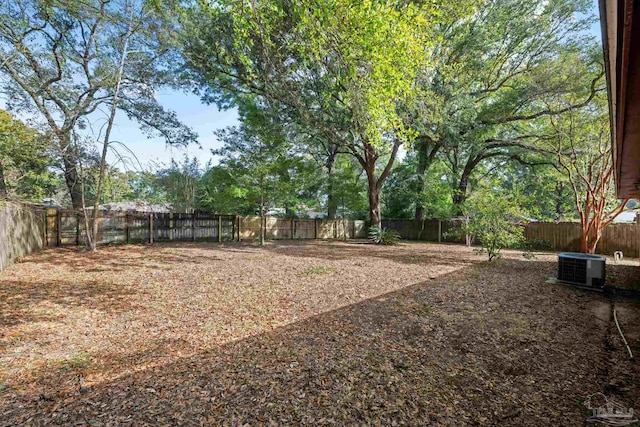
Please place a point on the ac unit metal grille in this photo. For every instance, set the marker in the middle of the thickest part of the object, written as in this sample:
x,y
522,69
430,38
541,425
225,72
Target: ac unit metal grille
x,y
572,270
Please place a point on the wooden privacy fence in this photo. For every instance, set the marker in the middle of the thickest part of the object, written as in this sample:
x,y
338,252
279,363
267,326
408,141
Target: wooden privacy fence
x,y
66,227
565,236
428,230
300,228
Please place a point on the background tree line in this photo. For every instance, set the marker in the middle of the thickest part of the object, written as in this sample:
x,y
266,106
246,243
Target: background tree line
x,y
359,109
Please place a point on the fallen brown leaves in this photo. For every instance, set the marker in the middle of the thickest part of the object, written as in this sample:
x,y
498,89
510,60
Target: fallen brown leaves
x,y
312,333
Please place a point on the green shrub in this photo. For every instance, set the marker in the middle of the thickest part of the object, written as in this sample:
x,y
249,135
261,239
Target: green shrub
x,y
493,220
383,236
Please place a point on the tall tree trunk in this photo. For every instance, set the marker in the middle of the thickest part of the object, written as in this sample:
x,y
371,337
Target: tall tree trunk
x,y
559,212
420,212
374,206
4,194
71,176
460,194
374,188
426,150
332,202
368,163
262,218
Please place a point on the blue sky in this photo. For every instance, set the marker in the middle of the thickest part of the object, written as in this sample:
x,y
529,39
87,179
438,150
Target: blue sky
x,y
202,118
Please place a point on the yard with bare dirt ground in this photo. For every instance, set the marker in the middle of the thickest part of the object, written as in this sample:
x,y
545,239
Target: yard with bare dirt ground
x,y
306,333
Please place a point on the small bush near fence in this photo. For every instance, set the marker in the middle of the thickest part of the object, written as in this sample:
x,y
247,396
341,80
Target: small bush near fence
x,y
383,236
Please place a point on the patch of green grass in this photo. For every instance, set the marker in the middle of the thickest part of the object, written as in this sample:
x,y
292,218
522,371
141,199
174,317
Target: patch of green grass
x,y
78,362
320,269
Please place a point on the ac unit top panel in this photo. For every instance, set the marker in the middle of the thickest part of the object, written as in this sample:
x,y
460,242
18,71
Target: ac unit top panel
x,y
579,255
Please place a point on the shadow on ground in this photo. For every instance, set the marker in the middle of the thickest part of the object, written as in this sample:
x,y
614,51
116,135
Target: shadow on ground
x,y
489,344
18,298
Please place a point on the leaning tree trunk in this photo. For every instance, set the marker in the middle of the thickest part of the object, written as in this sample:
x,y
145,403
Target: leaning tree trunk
x,y
107,136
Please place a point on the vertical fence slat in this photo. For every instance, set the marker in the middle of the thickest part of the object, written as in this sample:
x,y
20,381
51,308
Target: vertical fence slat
x,y
77,229
193,226
126,228
151,228
58,223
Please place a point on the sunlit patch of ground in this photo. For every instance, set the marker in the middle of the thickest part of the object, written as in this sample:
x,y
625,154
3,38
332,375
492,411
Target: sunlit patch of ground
x,y
303,333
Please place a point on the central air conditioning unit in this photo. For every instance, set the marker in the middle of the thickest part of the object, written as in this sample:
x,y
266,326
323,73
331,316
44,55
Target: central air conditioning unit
x,y
582,269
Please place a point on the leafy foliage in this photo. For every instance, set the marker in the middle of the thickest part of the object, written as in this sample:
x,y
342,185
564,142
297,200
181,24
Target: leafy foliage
x,y
356,62
180,183
260,168
24,157
493,217
582,147
404,191
383,236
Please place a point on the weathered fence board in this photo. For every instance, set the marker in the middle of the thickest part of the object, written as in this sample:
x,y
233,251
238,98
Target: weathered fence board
x,y
410,229
621,237
22,231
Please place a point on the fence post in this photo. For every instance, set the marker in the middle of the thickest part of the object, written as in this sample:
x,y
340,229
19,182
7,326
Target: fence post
x,y
77,229
219,228
151,228
193,226
439,231
239,225
171,226
46,227
293,229
637,238
233,229
58,222
315,228
126,228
